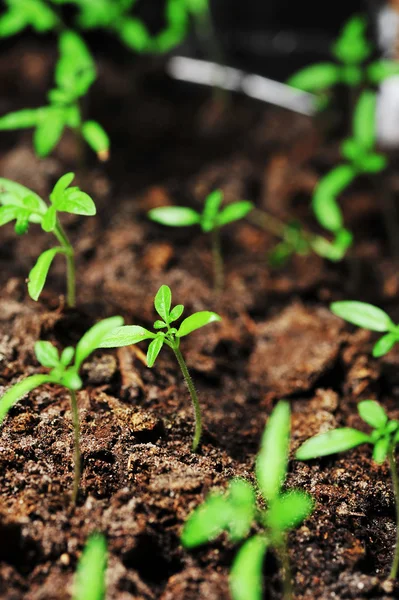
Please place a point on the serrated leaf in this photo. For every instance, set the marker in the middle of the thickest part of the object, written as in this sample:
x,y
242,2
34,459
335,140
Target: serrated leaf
x,y
385,344
20,119
19,390
90,582
372,413
331,442
195,321
363,315
76,202
175,216
234,212
211,209
94,337
48,131
381,449
242,502
289,510
38,275
364,128
246,576
61,186
154,349
272,460
47,354
97,138
324,203
206,522
316,77
163,301
176,313
126,336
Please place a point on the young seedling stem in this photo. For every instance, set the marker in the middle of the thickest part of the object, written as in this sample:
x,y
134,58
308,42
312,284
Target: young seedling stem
x,y
218,267
70,263
395,483
76,452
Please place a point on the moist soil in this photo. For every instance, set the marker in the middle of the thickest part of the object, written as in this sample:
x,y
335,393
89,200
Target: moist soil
x,y
173,144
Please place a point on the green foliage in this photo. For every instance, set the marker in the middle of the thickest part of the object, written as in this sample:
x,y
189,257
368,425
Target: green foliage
x,y
24,206
212,216
74,74
235,511
369,317
90,575
27,13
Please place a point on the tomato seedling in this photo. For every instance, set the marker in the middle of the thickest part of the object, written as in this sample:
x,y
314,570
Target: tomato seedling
x,y
90,575
369,317
65,374
237,511
132,334
24,206
210,220
74,74
383,437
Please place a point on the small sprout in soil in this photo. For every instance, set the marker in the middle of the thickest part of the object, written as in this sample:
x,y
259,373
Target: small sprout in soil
x,y
27,13
384,438
132,334
210,220
359,151
236,512
369,317
24,206
351,49
89,581
74,74
65,374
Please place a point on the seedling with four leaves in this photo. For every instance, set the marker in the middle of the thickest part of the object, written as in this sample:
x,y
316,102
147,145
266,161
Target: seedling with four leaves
x,y
384,438
90,575
169,335
24,206
66,375
237,511
74,74
210,220
369,317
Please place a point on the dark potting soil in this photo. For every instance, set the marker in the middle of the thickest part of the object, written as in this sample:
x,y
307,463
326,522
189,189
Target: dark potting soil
x,y
277,339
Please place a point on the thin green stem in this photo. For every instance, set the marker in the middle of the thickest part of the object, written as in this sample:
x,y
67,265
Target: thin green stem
x,y
76,451
287,577
218,267
70,263
395,483
194,397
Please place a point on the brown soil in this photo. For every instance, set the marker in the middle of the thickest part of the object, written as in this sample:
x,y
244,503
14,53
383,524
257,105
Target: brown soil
x,y
277,339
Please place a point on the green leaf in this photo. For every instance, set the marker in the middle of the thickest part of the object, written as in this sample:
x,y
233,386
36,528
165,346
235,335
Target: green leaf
x,y
159,324
364,129
272,460
352,46
94,338
12,193
48,131
49,220
334,250
374,163
71,380
154,349
176,313
288,510
381,69
211,209
90,581
325,206
19,390
97,138
47,354
76,202
12,22
337,440
206,522
234,212
316,77
67,356
246,573
38,275
372,413
134,34
8,213
385,344
125,336
363,315
60,187
280,254
40,16
163,301
174,216
242,503
381,448
197,7
196,321
20,119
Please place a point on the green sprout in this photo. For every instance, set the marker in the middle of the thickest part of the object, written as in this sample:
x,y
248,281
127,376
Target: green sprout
x,y
372,318
132,334
27,13
66,375
351,49
74,74
210,220
236,512
89,581
24,206
384,438
359,151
